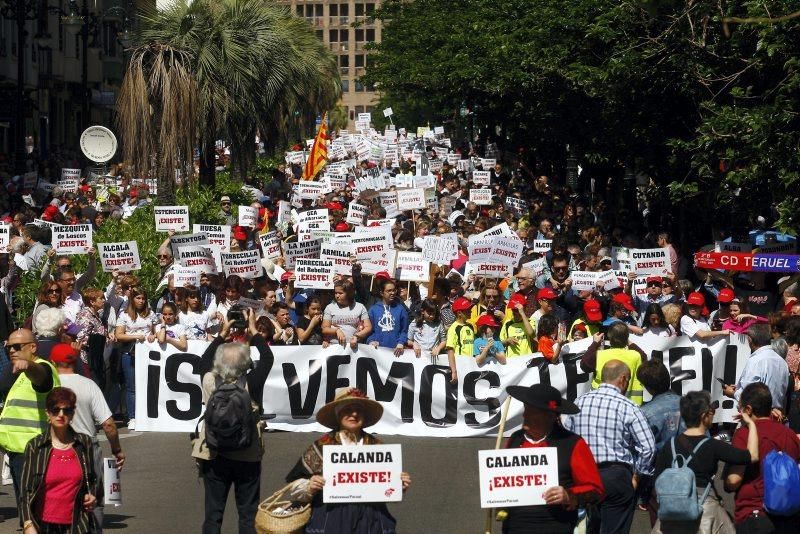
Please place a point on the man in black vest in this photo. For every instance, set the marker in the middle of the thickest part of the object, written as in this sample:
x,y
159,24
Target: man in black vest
x,y
579,479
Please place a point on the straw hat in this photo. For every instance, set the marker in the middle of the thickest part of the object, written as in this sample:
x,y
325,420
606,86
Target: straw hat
x,y
372,410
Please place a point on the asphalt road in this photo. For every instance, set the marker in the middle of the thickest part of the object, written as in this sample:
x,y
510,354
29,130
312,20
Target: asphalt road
x,y
162,494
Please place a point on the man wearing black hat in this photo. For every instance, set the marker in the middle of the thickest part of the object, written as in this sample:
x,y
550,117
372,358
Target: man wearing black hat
x,y
577,470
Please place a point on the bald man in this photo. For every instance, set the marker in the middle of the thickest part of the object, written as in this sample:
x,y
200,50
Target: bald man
x,y
621,441
23,416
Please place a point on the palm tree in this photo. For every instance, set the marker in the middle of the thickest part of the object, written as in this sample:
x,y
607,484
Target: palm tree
x,y
253,63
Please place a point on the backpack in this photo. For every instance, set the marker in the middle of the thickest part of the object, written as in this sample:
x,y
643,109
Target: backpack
x,y
781,480
229,417
677,493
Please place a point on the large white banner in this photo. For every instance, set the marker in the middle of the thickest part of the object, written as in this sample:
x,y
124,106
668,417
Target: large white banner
x,y
417,397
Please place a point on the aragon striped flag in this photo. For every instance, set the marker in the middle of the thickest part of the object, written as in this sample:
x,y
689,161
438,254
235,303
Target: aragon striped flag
x,y
319,152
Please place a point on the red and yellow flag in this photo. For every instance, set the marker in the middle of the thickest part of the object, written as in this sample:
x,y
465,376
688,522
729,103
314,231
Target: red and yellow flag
x,y
319,152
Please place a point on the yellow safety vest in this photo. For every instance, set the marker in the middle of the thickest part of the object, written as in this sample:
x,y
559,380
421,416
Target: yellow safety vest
x,y
24,417
629,357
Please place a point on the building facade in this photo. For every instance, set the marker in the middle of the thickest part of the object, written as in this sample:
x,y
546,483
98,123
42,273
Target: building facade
x,y
333,22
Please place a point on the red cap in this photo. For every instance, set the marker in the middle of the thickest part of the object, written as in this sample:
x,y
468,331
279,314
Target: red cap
x,y
63,353
695,299
726,296
285,276
133,193
625,300
654,279
334,206
239,234
546,293
85,188
8,219
487,320
461,304
383,275
580,326
341,227
516,298
591,308
789,305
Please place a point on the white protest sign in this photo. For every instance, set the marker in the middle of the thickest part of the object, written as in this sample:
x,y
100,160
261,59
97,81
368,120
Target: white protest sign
x,y
500,229
187,240
185,276
365,117
313,220
649,261
69,185
723,246
340,254
111,483
5,236
410,199
362,474
123,256
621,258
270,245
245,264
481,177
517,206
248,216
29,180
217,234
386,264
787,247
609,280
300,249
410,267
70,174
481,196
172,218
542,246
72,239
488,163
431,200
439,251
538,266
388,200
584,280
480,249
493,270
370,245
313,274
452,159
198,257
507,250
254,304
424,182
312,190
356,213
388,112
517,477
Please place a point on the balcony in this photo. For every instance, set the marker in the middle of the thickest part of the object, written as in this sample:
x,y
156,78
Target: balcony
x,y
344,71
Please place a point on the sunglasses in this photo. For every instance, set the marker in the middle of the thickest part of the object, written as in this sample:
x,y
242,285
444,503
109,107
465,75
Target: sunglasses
x,y
18,346
159,256
65,411
53,291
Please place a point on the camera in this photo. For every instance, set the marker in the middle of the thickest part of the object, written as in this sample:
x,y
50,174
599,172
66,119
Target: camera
x,y
236,314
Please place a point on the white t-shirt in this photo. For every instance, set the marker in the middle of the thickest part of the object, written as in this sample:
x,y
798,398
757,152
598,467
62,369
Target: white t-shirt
x,y
690,326
140,325
174,331
196,323
349,319
91,408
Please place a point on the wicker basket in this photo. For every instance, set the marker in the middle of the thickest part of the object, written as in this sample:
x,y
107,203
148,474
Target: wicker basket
x,y
293,522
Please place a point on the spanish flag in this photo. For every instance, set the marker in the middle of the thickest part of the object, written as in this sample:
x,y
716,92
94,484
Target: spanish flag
x,y
319,152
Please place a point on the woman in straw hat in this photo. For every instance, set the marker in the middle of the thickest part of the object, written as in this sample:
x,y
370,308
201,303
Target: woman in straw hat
x,y
577,471
347,415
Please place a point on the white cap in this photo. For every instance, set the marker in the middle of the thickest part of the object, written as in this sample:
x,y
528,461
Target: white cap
x,y
454,217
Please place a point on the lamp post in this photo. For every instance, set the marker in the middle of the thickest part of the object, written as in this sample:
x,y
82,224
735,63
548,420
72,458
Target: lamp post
x,y
21,11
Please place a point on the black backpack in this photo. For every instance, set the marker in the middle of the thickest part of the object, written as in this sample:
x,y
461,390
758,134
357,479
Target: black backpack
x,y
230,419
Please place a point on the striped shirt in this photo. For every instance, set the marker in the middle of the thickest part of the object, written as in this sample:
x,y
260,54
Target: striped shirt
x,y
615,429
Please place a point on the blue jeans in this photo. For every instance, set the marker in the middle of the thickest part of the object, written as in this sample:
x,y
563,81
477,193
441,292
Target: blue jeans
x,y
130,383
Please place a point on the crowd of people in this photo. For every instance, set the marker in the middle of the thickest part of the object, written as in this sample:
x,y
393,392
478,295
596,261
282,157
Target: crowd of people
x,y
70,366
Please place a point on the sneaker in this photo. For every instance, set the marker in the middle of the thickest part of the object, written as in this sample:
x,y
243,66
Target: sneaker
x,y
131,424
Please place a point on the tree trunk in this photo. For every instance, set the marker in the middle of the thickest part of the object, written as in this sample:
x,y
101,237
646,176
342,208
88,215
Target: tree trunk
x,y
208,162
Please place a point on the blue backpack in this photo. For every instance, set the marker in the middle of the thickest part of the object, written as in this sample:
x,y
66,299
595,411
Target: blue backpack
x,y
676,489
781,482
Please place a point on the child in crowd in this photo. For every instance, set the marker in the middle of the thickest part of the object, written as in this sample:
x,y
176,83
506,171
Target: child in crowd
x,y
460,335
426,331
548,337
169,331
486,347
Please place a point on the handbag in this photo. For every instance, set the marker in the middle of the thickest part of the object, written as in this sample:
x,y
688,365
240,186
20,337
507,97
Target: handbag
x,y
286,511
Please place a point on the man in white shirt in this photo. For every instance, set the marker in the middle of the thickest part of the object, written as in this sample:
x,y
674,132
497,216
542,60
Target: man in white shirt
x,y
90,410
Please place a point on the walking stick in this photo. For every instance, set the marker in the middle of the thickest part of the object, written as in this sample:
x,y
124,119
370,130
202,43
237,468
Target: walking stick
x,y
503,416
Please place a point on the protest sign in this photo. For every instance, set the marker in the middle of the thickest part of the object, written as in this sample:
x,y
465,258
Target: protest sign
x,y
388,200
500,229
583,280
5,236
516,206
187,240
410,267
424,182
480,249
248,216
185,276
257,305
493,270
340,255
172,218
621,258
70,174
538,266
488,163
300,249
122,256
72,239
439,251
370,245
313,274
356,213
507,250
650,261
68,185
609,280
481,197
388,112
245,264
723,246
517,477
542,246
376,266
270,245
417,396
111,482
217,234
431,200
481,177
362,474
788,247
30,179
737,261
311,189
198,257
410,199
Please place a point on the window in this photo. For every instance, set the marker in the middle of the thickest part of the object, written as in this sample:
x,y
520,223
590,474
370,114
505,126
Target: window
x,y
370,61
359,61
344,61
359,109
333,36
359,35
299,10
370,35
320,35
359,10
344,36
352,115
339,36
345,86
110,39
333,10
317,10
359,87
369,8
344,10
